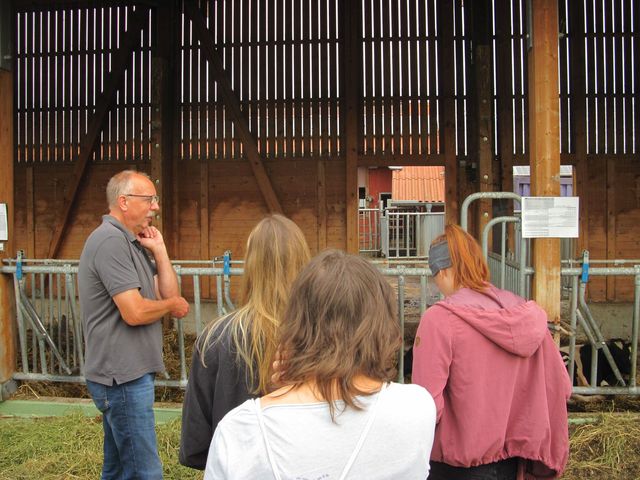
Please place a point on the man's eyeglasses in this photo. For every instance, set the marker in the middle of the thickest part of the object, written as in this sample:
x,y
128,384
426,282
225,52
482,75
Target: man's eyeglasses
x,y
148,198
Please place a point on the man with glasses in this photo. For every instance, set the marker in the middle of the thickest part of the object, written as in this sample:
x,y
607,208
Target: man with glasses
x,y
126,285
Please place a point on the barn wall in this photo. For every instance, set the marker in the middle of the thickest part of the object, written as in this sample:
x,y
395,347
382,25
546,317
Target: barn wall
x,y
213,216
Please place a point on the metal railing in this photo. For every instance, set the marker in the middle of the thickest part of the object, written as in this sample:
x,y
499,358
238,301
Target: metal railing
x,y
50,345
369,230
50,342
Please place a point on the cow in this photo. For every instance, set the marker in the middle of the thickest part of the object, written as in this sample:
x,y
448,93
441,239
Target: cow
x,y
621,353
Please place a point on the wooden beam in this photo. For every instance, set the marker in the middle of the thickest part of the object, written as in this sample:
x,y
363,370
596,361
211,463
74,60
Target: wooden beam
x,y
484,130
233,108
87,144
504,106
351,80
448,131
7,337
544,145
163,106
483,103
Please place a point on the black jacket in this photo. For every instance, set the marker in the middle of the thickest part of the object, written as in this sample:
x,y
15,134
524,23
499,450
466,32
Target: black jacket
x,y
212,391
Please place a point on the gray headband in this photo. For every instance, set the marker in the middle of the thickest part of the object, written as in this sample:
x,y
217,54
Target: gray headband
x,y
439,257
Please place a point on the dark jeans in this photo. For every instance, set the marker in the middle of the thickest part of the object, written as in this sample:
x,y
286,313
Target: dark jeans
x,y
130,450
502,470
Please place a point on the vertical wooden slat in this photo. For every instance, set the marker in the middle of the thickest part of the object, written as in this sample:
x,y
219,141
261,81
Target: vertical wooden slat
x,y
262,82
46,86
517,46
306,75
145,82
564,88
255,101
406,69
460,77
21,87
83,65
333,78
415,66
272,61
591,79
434,103
113,112
323,97
194,94
205,251
316,70
609,62
395,65
79,76
37,87
368,65
237,77
59,90
600,78
618,84
28,86
386,61
636,86
200,66
91,67
123,154
298,76
378,46
130,98
246,53
225,47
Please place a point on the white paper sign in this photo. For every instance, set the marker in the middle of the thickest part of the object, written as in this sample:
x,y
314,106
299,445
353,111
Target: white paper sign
x,y
4,223
550,217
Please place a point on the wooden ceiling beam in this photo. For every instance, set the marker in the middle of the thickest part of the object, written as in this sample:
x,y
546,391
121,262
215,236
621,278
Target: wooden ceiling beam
x,y
232,105
87,143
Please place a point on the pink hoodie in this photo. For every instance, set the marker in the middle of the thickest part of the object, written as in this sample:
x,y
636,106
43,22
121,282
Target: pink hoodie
x,y
498,380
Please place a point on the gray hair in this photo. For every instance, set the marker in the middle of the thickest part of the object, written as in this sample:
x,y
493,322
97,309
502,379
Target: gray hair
x,y
120,184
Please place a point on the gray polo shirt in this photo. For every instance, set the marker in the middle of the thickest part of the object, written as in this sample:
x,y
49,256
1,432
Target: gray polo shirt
x,y
113,261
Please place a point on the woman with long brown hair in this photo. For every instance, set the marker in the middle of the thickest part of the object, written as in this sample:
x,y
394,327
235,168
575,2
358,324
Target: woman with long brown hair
x,y
338,414
497,378
233,355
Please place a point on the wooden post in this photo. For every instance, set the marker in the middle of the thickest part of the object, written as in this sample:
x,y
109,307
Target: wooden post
x,y
351,73
163,102
483,68
448,131
7,337
544,145
505,113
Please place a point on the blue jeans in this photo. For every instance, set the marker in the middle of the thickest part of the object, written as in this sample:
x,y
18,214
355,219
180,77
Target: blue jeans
x,y
130,447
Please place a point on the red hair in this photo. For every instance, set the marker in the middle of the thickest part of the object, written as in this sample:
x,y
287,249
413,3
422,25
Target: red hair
x,y
470,269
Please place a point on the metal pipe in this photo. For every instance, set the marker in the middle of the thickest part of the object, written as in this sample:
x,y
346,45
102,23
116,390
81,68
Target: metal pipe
x,y
401,284
634,328
475,196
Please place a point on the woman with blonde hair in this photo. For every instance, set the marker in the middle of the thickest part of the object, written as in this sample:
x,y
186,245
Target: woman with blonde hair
x,y
497,378
338,414
233,355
